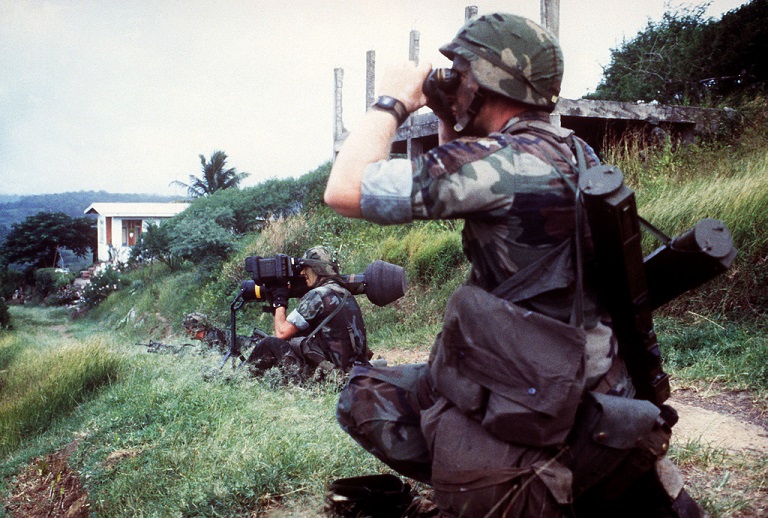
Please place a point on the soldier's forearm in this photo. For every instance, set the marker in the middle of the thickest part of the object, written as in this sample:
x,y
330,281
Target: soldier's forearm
x,y
284,329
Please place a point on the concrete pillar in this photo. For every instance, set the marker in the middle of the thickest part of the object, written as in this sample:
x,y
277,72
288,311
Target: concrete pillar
x,y
412,148
338,82
550,16
370,77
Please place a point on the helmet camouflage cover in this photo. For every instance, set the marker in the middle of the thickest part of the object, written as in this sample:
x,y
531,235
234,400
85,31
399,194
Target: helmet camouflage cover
x,y
194,322
512,56
320,259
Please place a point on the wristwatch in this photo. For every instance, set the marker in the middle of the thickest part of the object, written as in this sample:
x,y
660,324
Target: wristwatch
x,y
393,106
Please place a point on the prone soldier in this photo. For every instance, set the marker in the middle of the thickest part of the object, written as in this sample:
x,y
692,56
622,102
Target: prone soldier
x,y
199,327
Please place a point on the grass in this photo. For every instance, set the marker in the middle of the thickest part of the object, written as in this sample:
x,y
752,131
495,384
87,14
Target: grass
x,y
173,436
702,349
48,376
725,483
169,435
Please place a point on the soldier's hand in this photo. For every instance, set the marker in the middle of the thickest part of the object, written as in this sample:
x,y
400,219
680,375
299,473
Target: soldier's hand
x,y
280,297
403,81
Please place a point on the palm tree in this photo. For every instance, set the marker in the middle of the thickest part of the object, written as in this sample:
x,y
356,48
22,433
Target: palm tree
x,y
214,178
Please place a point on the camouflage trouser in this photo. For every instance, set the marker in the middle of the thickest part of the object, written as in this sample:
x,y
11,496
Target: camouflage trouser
x,y
380,407
274,352
394,413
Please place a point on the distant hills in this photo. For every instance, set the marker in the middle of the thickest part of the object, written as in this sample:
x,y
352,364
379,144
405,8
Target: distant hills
x,y
16,208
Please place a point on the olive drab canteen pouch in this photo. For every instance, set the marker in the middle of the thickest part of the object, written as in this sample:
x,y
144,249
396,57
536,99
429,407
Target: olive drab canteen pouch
x,y
475,473
380,407
518,372
615,441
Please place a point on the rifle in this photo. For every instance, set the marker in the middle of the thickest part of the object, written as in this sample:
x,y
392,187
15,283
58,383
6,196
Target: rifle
x,y
156,347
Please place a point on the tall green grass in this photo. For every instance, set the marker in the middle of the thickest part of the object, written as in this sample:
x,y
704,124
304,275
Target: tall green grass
x,y
47,377
220,445
677,187
171,435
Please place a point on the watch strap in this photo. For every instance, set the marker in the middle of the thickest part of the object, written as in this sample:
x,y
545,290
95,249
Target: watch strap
x,y
393,106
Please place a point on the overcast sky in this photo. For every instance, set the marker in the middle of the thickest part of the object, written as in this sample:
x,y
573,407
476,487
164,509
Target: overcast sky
x,y
124,95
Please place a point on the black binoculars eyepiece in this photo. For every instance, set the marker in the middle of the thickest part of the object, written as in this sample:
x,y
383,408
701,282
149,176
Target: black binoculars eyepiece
x,y
441,81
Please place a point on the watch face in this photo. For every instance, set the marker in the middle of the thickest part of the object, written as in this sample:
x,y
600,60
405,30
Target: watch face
x,y
386,102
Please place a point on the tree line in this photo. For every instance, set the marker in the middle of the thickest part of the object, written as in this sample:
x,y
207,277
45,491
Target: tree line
x,y
688,59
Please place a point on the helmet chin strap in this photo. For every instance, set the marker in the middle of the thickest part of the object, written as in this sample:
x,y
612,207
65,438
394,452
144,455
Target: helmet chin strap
x,y
465,120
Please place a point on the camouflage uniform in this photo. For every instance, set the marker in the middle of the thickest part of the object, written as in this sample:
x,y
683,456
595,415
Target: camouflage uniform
x,y
342,341
517,208
339,343
199,327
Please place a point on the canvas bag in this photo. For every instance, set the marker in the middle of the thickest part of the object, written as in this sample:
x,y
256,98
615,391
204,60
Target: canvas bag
x,y
518,372
476,474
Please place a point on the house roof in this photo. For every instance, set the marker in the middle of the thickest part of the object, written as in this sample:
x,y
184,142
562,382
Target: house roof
x,y
136,210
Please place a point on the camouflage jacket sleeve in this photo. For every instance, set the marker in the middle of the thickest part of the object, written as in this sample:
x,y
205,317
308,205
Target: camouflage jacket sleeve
x,y
308,309
465,178
386,192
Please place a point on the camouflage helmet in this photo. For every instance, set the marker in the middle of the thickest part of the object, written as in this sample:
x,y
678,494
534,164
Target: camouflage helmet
x,y
512,56
321,261
195,322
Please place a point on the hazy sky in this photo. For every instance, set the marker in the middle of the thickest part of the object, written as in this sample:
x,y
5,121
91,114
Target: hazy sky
x,y
124,95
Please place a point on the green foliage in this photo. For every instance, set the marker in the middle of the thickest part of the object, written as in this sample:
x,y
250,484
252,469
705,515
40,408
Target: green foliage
x,y
431,252
198,237
11,279
677,187
48,280
5,317
687,59
37,239
214,177
700,348
44,381
313,187
155,244
102,284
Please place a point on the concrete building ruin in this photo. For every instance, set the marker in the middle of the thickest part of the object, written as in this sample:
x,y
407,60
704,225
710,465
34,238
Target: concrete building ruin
x,y
592,120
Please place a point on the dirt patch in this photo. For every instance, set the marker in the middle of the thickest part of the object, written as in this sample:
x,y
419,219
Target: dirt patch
x,y
48,488
728,420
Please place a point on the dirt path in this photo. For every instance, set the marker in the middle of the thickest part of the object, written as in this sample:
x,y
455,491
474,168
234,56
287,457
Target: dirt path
x,y
723,422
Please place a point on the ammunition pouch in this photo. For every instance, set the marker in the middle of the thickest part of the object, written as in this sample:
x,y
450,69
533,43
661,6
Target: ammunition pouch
x,y
616,441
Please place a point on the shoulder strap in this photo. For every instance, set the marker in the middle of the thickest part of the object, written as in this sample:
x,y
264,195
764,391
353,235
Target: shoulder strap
x,y
328,318
555,135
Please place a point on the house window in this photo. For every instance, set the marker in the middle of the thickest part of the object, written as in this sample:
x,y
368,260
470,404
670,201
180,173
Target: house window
x,y
131,231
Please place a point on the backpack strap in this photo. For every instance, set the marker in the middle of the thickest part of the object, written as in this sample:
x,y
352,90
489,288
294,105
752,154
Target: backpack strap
x,y
520,286
327,319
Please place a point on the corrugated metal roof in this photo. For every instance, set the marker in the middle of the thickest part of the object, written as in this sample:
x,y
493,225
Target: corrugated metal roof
x,y
136,210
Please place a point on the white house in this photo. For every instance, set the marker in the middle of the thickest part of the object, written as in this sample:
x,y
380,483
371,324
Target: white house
x,y
120,225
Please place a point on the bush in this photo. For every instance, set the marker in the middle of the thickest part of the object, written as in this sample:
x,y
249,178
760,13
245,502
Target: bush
x,y
5,316
48,280
63,296
102,284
